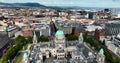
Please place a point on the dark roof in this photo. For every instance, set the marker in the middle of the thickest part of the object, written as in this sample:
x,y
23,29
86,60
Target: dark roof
x,y
4,39
79,28
113,25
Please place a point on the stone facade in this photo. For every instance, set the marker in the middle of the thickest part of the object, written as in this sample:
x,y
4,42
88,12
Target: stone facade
x,y
60,50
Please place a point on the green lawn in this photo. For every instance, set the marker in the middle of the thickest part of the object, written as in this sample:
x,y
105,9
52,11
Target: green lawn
x,y
19,58
25,47
31,48
0,61
3,61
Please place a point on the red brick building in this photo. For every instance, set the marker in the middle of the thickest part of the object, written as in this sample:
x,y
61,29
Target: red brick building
x,y
27,33
99,35
77,31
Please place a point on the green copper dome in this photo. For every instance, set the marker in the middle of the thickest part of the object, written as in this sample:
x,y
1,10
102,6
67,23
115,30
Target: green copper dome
x,y
101,51
59,33
25,56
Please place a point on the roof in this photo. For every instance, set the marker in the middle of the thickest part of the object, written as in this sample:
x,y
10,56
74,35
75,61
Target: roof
x,y
5,28
59,33
76,52
4,39
2,28
118,36
79,28
116,21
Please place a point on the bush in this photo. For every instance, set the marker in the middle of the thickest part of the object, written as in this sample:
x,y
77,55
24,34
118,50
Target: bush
x,y
43,39
108,56
71,37
29,40
20,40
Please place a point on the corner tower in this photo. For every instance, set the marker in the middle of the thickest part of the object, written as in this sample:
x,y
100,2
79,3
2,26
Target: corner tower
x,y
35,38
81,38
101,56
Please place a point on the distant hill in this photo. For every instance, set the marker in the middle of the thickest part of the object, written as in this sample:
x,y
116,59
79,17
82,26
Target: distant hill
x,y
21,5
4,4
29,4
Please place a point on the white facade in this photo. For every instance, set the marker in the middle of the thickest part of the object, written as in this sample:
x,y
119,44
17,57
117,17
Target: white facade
x,y
91,28
114,45
59,49
43,29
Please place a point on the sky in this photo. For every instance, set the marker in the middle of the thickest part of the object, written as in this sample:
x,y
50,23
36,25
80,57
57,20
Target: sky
x,y
82,3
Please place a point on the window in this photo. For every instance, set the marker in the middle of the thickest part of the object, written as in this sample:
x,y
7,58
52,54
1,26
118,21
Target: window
x,y
76,57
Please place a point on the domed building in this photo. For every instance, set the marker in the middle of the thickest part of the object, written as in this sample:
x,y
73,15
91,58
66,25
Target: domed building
x,y
60,44
63,51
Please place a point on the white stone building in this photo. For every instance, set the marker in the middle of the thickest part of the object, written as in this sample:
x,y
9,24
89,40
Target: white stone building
x,y
60,50
43,29
114,45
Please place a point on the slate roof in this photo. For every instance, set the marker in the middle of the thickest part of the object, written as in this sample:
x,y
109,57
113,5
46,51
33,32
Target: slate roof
x,y
4,39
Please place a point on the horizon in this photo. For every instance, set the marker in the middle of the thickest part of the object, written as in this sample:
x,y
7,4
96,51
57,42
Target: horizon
x,y
70,3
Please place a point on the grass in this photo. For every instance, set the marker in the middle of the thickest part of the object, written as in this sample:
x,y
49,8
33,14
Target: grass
x,y
25,46
0,61
31,48
3,61
19,59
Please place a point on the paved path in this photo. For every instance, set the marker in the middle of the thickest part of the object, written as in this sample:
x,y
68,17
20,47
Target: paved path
x,y
29,45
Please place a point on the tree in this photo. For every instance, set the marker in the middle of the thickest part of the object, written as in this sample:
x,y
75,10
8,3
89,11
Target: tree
x,y
108,56
20,40
13,50
71,37
92,42
103,42
43,39
85,38
29,39
96,45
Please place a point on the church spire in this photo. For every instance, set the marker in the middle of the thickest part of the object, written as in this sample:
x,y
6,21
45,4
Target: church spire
x,y
101,51
34,38
81,38
101,56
